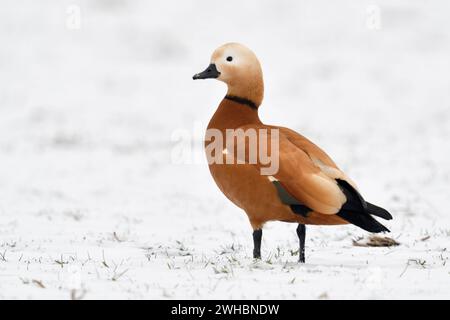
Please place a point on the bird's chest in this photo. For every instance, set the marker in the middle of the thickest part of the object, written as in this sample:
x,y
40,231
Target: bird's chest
x,y
235,182
245,187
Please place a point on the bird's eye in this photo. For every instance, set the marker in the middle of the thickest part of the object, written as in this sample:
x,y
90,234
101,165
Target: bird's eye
x,y
229,58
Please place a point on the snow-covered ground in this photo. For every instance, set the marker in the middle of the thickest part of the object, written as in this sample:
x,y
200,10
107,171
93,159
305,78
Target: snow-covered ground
x,y
92,204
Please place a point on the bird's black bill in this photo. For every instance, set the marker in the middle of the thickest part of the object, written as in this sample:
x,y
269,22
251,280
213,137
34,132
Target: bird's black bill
x,y
210,73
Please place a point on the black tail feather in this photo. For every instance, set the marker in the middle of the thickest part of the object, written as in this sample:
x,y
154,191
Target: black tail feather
x,y
378,211
363,220
358,212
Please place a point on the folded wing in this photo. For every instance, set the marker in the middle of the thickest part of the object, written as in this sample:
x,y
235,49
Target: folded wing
x,y
308,180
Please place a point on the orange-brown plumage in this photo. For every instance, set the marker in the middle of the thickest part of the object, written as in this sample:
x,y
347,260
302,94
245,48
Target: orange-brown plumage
x,y
254,193
305,172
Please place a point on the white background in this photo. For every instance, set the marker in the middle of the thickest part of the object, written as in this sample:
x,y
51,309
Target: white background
x,y
92,205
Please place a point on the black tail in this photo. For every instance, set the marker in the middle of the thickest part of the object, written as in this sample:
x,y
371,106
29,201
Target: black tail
x,y
364,221
377,211
358,212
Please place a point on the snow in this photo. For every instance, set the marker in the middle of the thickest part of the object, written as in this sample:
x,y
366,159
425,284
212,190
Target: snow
x,y
92,204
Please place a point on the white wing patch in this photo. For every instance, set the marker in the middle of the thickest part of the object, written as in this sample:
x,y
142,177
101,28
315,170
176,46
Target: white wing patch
x,y
329,171
332,172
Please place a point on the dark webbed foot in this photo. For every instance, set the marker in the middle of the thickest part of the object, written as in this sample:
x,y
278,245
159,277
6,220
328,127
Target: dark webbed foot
x,y
301,232
257,236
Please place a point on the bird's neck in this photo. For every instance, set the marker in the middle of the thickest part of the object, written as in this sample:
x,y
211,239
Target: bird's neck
x,y
251,89
232,114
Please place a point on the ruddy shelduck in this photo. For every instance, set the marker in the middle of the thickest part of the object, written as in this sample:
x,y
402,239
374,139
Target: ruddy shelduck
x,y
307,187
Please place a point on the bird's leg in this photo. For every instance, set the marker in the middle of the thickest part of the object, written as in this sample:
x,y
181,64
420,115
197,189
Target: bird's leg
x,y
257,236
301,232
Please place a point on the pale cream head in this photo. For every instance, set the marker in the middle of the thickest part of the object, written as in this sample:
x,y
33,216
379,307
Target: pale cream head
x,y
239,68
